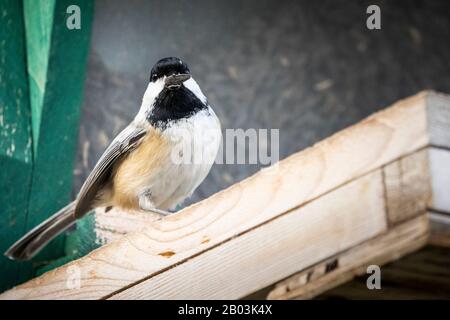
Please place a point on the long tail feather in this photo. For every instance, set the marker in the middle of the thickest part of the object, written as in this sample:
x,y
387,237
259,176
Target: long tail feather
x,y
32,242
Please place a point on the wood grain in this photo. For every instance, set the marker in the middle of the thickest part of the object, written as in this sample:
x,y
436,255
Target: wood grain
x,y
332,223
408,190
400,240
112,224
302,177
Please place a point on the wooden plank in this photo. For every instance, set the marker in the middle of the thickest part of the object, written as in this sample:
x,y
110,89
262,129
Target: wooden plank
x,y
112,224
438,113
56,65
15,135
440,179
407,184
400,240
102,227
302,177
267,253
440,229
346,216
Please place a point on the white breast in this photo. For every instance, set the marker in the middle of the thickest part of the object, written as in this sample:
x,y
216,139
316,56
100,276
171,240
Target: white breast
x,y
195,142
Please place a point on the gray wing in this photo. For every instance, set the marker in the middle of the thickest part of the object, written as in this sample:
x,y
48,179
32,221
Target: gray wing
x,y
125,142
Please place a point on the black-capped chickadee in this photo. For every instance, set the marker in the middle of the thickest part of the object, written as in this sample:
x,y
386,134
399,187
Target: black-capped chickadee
x,y
154,164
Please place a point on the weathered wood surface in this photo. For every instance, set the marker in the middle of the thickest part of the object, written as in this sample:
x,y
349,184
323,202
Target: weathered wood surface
x,y
242,210
15,135
398,241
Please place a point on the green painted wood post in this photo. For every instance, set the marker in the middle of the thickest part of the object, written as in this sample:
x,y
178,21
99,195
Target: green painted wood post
x,y
56,59
15,135
42,69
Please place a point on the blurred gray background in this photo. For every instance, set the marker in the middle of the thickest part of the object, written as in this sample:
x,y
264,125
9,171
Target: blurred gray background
x,y
309,68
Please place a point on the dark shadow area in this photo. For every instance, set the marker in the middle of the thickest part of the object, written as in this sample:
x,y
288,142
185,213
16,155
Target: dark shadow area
x,y
424,274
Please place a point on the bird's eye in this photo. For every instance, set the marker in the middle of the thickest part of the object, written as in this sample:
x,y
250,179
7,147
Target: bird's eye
x,y
154,77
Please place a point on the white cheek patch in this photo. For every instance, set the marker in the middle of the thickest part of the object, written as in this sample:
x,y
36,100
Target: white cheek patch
x,y
195,89
153,90
150,95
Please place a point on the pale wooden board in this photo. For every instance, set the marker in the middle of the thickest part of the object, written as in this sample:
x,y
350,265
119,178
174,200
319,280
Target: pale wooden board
x,y
440,229
302,177
438,112
335,222
111,225
440,179
408,190
400,240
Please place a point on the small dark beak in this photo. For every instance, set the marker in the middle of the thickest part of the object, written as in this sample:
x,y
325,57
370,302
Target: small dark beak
x,y
175,81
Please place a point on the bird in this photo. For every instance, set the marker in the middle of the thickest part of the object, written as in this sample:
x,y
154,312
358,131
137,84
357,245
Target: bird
x,y
152,165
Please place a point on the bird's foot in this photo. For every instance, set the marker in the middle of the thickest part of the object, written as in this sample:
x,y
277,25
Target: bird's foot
x,y
146,204
163,213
